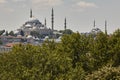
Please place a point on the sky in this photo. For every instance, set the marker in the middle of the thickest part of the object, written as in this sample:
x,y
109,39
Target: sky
x,y
80,14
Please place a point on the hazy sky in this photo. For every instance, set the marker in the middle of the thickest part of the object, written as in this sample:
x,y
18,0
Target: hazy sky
x,y
79,13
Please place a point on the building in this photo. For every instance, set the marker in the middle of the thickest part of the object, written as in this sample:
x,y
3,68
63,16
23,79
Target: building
x,y
95,30
34,24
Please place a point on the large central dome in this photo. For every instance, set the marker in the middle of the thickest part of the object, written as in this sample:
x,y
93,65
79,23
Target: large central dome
x,y
32,23
96,30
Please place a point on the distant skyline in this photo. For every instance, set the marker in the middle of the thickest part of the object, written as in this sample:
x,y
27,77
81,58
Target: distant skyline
x,y
80,14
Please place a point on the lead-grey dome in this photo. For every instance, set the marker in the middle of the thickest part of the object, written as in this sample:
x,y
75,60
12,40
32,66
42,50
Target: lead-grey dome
x,y
33,23
95,30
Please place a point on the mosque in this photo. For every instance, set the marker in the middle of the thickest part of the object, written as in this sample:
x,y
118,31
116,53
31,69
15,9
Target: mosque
x,y
34,24
96,30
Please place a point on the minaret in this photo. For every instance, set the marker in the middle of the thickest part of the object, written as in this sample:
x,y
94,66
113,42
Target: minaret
x,y
52,19
65,24
105,27
45,23
31,13
94,24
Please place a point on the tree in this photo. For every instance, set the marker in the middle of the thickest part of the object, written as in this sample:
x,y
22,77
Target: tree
x,y
105,73
67,31
76,57
100,50
1,32
11,33
1,42
114,47
22,33
75,45
7,33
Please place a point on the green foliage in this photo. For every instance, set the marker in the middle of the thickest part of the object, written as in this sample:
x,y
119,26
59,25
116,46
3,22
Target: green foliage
x,y
6,33
36,62
1,32
100,50
105,73
22,33
11,33
76,57
115,47
67,31
1,42
76,46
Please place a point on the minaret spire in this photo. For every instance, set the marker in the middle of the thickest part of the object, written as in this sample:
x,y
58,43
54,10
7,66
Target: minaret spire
x,y
105,27
45,22
52,19
65,24
94,24
31,13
